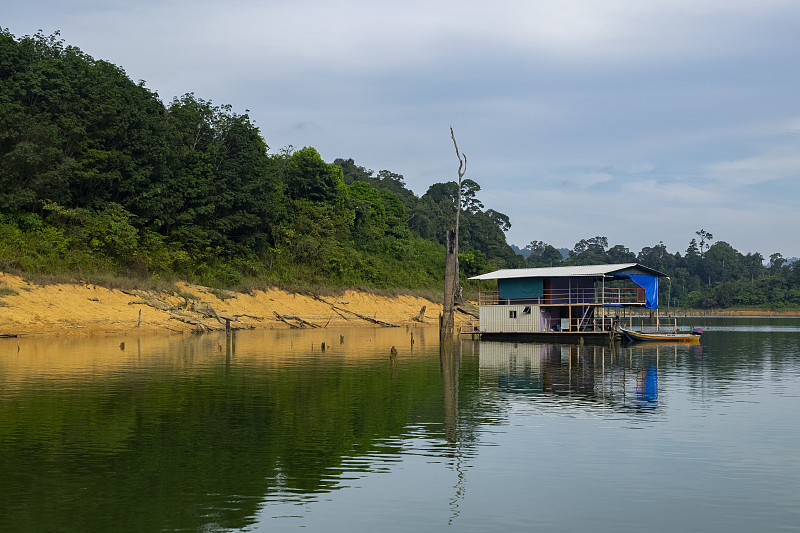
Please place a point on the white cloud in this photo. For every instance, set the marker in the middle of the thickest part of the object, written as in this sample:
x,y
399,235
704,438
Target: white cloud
x,y
360,34
776,163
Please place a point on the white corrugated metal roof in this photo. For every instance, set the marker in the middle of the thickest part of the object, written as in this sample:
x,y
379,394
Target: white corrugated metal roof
x,y
559,272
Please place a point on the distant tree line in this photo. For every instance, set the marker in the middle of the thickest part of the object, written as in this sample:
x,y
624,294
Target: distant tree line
x,y
705,276
97,175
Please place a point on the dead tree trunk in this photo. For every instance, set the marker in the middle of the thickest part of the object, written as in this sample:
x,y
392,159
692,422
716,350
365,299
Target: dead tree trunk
x,y
462,169
446,324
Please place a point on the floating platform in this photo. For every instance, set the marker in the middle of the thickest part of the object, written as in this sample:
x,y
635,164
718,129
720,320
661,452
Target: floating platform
x,y
585,337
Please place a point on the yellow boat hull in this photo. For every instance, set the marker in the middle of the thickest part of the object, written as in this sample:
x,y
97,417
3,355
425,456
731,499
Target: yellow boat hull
x,y
639,336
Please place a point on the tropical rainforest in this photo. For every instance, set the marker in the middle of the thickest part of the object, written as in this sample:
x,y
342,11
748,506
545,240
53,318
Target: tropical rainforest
x,y
101,180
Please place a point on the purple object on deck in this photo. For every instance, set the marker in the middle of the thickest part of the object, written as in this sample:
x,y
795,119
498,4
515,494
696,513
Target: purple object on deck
x,y
697,331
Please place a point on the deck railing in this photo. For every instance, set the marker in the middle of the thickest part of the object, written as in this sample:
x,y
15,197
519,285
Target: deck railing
x,y
580,296
595,324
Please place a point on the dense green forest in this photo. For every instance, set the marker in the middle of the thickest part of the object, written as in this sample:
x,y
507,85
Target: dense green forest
x,y
99,177
100,180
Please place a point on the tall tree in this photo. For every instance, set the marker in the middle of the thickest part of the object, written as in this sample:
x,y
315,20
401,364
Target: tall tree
x,y
705,238
469,201
311,178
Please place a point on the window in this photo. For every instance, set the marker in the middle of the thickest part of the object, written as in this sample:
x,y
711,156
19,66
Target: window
x,y
512,314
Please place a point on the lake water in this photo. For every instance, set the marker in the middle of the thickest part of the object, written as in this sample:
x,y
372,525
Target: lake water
x,y
268,432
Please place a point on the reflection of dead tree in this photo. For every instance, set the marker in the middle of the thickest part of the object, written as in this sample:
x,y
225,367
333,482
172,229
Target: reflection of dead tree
x,y
449,365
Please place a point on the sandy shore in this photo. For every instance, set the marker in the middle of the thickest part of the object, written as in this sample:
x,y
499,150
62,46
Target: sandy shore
x,y
80,309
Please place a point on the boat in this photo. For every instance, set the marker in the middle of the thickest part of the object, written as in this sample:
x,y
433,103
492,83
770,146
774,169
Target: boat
x,y
661,336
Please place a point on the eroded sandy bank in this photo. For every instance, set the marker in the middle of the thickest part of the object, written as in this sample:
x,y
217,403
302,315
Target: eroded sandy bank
x,y
77,309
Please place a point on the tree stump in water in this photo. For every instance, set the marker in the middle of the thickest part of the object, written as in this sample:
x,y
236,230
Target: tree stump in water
x,y
420,317
446,322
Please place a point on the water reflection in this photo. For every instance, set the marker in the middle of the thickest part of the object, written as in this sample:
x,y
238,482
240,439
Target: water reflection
x,y
202,433
449,363
616,377
216,424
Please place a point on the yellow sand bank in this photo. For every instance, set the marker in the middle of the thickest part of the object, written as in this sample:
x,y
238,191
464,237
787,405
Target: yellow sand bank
x,y
29,309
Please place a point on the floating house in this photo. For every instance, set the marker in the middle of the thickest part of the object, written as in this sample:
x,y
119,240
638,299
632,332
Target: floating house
x,y
563,303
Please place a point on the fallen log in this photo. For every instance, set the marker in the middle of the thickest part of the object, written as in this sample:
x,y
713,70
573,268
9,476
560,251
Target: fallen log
x,y
148,299
467,311
237,317
301,321
165,326
362,317
340,314
293,326
193,321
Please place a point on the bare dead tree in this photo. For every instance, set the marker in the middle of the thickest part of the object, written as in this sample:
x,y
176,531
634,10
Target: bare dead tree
x,y
462,169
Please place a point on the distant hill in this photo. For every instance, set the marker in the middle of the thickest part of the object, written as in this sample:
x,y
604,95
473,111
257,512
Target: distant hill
x,y
524,252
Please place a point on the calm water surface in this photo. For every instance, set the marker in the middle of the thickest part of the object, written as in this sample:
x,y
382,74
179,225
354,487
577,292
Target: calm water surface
x,y
268,432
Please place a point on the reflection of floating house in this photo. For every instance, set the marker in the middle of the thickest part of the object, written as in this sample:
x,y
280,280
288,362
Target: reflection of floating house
x,y
563,303
587,374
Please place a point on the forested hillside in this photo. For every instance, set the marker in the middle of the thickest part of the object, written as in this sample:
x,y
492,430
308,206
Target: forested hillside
x,y
100,179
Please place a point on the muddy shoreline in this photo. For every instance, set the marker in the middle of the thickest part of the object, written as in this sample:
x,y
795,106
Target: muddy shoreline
x,y
27,309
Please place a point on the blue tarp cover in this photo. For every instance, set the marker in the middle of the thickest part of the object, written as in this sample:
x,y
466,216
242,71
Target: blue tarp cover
x,y
520,288
650,286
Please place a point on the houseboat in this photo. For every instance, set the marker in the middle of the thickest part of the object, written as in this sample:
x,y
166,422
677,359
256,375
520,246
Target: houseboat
x,y
566,304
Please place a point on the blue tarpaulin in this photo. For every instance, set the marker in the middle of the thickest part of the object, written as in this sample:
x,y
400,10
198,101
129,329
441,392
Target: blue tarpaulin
x,y
520,288
650,286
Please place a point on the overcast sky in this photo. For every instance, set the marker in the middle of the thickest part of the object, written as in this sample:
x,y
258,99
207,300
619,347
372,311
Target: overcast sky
x,y
641,121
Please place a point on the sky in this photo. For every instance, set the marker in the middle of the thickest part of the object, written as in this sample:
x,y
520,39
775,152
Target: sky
x,y
642,121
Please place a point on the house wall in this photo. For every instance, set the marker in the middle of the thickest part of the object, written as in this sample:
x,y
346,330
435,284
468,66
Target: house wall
x,y
499,319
